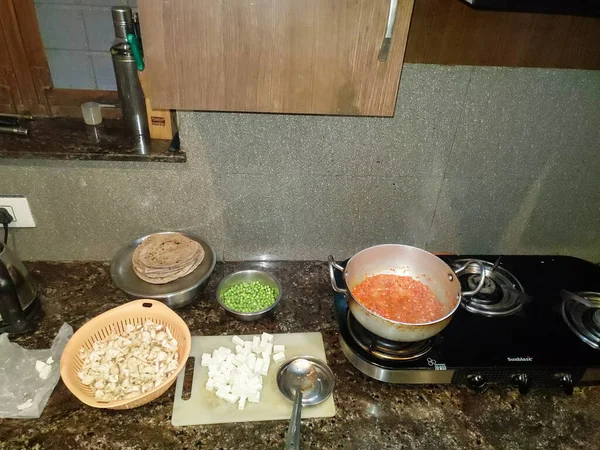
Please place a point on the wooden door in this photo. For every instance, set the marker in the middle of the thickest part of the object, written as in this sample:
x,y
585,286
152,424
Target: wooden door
x,y
24,72
283,56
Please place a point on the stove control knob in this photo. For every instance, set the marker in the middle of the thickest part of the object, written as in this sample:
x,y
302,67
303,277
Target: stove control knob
x,y
566,382
522,381
477,382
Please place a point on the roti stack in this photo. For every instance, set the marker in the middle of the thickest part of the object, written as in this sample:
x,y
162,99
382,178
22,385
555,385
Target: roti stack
x,y
163,258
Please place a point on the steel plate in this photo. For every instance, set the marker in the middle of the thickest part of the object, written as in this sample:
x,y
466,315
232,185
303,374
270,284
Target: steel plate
x,y
176,293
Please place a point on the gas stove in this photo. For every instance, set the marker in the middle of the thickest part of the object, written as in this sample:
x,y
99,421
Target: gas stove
x,y
535,323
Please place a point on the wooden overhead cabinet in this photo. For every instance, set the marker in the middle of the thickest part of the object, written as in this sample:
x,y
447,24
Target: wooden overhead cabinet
x,y
280,56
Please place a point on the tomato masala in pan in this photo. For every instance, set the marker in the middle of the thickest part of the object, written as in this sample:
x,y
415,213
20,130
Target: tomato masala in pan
x,y
399,298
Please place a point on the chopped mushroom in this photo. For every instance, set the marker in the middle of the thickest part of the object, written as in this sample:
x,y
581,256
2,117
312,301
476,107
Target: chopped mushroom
x,y
131,363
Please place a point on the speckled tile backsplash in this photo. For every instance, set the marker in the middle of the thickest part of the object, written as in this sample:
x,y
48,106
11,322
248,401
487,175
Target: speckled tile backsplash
x,y
480,160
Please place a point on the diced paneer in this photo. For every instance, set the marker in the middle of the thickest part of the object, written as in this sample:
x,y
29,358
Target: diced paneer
x,y
268,348
231,398
278,357
206,360
237,362
256,344
222,394
248,391
238,389
265,368
245,369
218,357
236,376
238,341
267,337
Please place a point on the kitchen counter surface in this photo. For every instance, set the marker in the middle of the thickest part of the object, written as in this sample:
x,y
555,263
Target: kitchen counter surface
x,y
370,414
68,138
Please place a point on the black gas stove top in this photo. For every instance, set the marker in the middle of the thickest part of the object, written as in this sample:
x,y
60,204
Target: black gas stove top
x,y
536,335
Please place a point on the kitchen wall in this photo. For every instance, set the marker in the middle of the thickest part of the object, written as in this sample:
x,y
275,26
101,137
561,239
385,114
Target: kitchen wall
x,y
480,160
77,36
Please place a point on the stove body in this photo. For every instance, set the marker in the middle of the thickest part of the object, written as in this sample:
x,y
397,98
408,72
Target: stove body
x,y
531,346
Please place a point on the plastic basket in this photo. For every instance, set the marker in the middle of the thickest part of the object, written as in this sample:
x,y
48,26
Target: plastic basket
x,y
102,326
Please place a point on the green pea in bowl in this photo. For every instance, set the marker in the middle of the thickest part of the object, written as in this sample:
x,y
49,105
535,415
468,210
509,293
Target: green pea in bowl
x,y
249,295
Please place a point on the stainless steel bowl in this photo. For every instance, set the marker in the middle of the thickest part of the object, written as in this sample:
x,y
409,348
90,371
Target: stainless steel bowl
x,y
175,294
246,276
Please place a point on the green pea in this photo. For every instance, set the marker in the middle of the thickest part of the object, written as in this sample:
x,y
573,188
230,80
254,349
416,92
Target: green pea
x,y
249,297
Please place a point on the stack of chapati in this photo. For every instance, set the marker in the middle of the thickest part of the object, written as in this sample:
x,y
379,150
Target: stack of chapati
x,y
163,258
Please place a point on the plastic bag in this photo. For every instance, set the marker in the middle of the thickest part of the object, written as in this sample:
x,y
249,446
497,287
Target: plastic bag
x,y
23,391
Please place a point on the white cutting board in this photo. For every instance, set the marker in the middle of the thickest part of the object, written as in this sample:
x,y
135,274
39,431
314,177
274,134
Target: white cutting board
x,y
203,407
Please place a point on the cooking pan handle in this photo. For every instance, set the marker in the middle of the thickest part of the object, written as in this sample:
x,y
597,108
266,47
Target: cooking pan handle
x,y
481,280
332,266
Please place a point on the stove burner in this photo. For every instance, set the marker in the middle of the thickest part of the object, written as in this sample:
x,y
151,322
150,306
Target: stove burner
x,y
489,286
502,293
384,348
581,312
596,318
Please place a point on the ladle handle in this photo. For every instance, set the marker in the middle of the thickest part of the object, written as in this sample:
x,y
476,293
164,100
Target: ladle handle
x,y
292,437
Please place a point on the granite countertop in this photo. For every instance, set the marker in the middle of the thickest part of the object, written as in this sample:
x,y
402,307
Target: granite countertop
x,y
70,138
370,414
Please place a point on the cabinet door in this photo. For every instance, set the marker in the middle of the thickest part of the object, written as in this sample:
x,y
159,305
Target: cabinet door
x,y
283,56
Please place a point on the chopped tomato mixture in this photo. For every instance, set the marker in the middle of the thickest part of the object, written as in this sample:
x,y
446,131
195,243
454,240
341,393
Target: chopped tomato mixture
x,y
399,298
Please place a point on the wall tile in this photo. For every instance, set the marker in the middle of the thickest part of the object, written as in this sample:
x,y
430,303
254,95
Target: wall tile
x,y
89,211
519,216
415,142
71,69
61,27
311,216
99,28
104,71
274,191
566,218
529,123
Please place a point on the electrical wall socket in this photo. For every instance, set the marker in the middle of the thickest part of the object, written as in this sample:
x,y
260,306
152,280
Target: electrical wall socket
x,y
18,208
